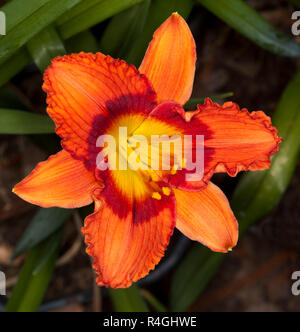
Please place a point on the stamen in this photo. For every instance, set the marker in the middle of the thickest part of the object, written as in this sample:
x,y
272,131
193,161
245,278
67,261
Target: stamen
x,y
154,176
156,195
166,191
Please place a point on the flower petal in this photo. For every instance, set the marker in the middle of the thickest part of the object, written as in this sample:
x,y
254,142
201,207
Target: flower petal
x,y
239,140
206,216
83,88
170,61
234,140
59,181
126,247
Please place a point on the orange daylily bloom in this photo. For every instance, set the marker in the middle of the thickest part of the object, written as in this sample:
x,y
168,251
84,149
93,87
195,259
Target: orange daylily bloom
x,y
89,95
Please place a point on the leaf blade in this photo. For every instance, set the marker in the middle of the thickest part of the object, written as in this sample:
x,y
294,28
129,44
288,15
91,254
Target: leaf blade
x,y
89,13
30,289
123,29
27,19
243,18
128,300
45,223
45,46
22,122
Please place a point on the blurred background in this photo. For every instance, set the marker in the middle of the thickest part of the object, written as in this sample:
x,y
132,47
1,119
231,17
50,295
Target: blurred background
x,y
247,53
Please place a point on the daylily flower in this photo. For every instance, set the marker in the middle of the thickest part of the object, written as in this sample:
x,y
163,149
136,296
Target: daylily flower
x,y
89,95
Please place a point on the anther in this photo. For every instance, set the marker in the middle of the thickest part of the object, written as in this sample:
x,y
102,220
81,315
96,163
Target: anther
x,y
166,191
156,195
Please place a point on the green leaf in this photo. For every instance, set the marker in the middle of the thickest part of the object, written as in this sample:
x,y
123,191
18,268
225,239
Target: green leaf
x,y
256,195
243,18
21,122
14,65
123,29
45,223
31,287
83,42
52,245
25,19
128,300
159,11
192,276
45,46
89,13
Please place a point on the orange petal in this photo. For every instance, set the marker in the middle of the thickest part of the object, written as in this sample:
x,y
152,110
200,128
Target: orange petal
x,y
206,216
84,87
170,61
234,140
125,247
59,181
239,140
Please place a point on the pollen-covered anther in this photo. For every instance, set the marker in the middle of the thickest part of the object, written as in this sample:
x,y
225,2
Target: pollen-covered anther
x,y
154,176
166,191
156,195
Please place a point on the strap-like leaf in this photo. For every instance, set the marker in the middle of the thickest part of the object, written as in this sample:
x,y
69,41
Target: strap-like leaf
x,y
244,19
192,276
83,42
21,122
25,19
45,46
258,193
128,300
89,13
123,30
45,223
30,289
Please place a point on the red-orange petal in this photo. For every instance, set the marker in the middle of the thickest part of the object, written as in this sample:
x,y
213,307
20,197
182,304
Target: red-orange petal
x,y
81,88
240,140
59,181
125,247
170,61
206,216
234,140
